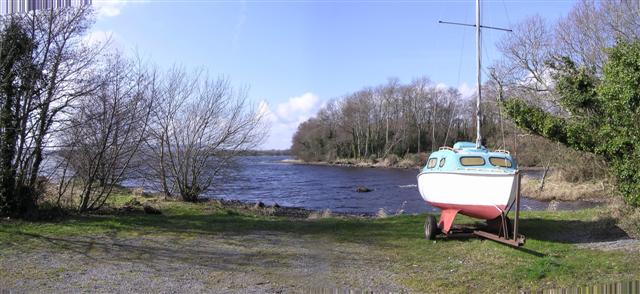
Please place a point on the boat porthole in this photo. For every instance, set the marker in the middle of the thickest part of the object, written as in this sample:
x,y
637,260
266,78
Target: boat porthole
x,y
432,162
442,161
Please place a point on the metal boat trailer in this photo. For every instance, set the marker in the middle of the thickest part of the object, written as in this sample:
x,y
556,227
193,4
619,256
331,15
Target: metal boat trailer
x,y
503,230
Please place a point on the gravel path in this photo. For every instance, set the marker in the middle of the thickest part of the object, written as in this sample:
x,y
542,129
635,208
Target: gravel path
x,y
631,245
258,262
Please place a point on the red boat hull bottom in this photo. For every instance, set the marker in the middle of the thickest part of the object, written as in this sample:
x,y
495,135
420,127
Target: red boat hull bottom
x,y
449,212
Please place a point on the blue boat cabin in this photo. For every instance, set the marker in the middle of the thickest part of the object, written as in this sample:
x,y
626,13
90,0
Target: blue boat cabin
x,y
465,156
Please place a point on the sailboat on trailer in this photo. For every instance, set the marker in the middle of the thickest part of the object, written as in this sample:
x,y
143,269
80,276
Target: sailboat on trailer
x,y
471,180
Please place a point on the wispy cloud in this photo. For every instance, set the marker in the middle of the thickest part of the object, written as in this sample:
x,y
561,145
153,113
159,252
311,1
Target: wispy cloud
x,y
285,118
466,90
242,19
111,8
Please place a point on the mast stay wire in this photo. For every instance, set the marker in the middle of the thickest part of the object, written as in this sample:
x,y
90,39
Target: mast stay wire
x,y
455,105
488,74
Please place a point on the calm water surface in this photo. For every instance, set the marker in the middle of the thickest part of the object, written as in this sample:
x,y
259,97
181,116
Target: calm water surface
x,y
268,179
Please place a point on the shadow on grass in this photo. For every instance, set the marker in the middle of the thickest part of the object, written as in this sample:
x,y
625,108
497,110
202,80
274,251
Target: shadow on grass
x,y
186,225
572,231
349,229
219,241
342,229
163,255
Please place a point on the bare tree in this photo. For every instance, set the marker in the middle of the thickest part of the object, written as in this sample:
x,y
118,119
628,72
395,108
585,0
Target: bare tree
x,y
200,125
593,26
390,119
56,76
107,130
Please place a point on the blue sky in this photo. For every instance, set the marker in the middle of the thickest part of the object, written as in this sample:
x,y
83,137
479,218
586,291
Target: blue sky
x,y
296,54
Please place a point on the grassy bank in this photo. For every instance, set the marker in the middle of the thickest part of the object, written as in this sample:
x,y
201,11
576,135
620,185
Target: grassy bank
x,y
557,188
215,247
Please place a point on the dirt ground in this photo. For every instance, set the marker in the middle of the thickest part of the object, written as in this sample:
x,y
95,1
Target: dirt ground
x,y
255,263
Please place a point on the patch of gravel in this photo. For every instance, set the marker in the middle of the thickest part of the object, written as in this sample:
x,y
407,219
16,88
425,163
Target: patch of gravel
x,y
631,245
260,262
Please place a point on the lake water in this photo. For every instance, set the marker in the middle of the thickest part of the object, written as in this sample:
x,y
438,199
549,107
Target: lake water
x,y
269,180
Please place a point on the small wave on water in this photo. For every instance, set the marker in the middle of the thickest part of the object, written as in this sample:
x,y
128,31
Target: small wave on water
x,y
265,179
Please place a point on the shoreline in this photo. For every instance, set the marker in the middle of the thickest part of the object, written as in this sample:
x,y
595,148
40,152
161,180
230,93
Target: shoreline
x,y
284,211
554,205
556,190
376,165
347,164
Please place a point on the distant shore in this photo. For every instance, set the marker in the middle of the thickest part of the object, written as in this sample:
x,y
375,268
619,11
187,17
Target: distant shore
x,y
353,163
380,164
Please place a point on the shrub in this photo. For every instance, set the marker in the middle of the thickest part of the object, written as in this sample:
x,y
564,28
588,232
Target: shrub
x,y
604,114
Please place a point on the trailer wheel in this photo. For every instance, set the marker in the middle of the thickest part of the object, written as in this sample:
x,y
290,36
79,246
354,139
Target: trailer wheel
x,y
430,227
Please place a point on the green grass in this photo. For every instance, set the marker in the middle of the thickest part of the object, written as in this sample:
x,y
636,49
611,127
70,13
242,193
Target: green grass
x,y
549,259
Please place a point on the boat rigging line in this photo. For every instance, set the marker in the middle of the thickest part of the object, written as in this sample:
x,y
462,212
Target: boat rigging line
x,y
478,27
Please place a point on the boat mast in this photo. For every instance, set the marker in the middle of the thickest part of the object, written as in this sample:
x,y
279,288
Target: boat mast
x,y
479,76
479,66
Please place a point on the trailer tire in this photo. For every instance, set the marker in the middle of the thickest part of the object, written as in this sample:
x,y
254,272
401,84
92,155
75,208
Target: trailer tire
x,y
430,227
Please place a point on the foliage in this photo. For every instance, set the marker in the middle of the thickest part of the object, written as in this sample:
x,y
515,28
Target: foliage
x,y
601,114
16,69
44,64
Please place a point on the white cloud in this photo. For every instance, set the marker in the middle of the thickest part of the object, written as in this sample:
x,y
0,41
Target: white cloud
x,y
466,90
442,86
285,118
111,8
296,107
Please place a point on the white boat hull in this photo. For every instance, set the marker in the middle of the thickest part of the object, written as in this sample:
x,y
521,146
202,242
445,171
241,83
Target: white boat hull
x,y
477,194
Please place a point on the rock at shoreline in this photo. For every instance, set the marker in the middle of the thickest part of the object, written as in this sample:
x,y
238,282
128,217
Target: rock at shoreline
x,y
363,189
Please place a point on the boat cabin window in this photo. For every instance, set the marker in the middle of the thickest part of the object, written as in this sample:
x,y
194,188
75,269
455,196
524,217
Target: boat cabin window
x,y
501,162
432,162
442,161
472,161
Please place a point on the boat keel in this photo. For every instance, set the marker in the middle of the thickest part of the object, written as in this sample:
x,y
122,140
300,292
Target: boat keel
x,y
446,219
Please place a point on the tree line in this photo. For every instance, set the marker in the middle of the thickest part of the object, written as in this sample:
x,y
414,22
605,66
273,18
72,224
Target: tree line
x,y
77,118
391,119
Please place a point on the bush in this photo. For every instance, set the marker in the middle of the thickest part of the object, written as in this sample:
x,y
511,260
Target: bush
x,y
604,114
